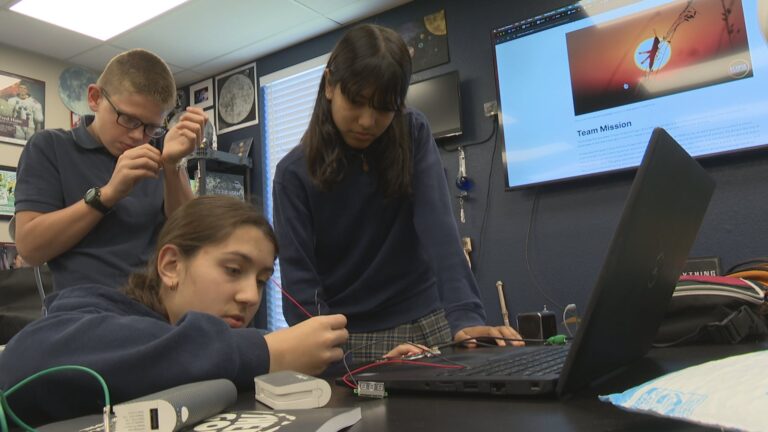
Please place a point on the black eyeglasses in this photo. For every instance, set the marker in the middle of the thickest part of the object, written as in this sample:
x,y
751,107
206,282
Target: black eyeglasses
x,y
130,122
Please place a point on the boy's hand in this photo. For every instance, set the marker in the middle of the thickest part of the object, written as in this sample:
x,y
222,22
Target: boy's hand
x,y
184,136
133,165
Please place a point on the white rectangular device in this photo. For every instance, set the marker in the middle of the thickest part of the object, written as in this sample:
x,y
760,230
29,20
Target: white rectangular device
x,y
291,390
170,410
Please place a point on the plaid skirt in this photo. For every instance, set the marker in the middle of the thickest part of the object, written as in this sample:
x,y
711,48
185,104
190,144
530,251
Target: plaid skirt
x,y
429,330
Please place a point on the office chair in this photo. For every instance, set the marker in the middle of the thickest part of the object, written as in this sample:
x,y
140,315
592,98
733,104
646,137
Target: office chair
x,y
35,269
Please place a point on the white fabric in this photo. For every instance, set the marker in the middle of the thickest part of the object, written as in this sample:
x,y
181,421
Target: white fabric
x,y
730,393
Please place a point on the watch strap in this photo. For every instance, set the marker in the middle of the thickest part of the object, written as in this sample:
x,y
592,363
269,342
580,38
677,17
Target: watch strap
x,y
93,199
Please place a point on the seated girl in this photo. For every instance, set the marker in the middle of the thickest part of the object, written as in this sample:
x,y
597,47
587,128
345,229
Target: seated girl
x,y
183,320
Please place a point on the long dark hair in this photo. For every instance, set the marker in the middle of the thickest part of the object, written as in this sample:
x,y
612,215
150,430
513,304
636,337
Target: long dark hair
x,y
368,57
203,221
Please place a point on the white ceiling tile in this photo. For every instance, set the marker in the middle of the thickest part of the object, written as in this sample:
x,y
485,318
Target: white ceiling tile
x,y
198,39
97,58
346,11
187,77
37,36
192,35
174,68
266,46
356,11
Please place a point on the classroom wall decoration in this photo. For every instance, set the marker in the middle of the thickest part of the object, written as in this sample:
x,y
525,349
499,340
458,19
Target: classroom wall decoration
x,y
241,147
427,40
217,183
73,89
236,101
201,94
182,102
22,107
7,192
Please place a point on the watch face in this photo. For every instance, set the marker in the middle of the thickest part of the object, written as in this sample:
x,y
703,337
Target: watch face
x,y
92,194
93,198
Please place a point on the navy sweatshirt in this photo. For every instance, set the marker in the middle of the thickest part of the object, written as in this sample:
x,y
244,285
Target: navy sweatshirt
x,y
381,262
134,349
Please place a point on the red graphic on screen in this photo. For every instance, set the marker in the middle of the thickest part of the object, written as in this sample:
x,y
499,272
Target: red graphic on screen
x,y
675,48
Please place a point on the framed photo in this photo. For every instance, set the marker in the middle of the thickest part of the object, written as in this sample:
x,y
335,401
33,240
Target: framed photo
x,y
74,120
211,114
8,257
201,94
217,183
7,192
236,101
22,107
241,147
210,128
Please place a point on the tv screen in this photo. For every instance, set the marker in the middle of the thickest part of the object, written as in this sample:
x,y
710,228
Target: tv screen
x,y
580,88
439,99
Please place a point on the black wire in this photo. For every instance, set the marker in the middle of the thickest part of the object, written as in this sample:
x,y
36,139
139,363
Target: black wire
x,y
487,203
344,357
429,350
488,138
531,272
375,342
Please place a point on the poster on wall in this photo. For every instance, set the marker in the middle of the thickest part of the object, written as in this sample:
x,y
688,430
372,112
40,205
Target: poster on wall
x,y
427,40
7,192
202,93
182,102
73,89
236,105
217,183
22,107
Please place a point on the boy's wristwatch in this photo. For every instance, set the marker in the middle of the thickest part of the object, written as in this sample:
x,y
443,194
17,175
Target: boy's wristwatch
x,y
93,198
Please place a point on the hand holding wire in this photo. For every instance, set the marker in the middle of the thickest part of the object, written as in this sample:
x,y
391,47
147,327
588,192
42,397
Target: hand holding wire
x,y
309,346
501,334
411,351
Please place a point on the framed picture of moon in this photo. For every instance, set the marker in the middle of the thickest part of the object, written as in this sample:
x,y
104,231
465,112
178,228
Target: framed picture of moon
x,y
73,89
236,101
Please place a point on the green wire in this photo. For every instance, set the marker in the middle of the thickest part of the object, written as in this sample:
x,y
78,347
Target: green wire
x,y
3,422
4,403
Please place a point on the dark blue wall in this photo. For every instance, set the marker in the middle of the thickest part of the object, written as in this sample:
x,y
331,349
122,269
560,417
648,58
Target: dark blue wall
x,y
567,238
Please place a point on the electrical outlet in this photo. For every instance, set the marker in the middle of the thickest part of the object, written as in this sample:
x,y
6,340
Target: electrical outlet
x,y
490,108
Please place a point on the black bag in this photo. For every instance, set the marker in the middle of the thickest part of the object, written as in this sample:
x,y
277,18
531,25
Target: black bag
x,y
714,309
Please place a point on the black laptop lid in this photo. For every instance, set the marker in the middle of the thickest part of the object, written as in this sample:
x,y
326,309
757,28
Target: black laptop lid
x,y
658,226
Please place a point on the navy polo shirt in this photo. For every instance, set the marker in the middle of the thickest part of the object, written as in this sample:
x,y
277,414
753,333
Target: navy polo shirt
x,y
55,170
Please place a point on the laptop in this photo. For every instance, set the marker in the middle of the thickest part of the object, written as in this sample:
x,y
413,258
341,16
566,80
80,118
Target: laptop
x,y
660,221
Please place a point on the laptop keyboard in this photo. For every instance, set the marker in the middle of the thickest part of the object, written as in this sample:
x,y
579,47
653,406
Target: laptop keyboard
x,y
540,362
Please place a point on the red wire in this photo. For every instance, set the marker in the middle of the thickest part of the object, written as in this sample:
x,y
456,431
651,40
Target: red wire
x,y
379,363
293,300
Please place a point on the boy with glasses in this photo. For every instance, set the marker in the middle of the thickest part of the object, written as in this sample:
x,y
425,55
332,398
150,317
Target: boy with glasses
x,y
91,201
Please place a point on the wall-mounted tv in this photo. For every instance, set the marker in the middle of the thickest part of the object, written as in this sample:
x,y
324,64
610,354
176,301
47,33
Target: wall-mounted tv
x,y
580,88
439,99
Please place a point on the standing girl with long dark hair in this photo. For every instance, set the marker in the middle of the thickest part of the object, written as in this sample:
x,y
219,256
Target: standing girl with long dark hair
x,y
362,210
